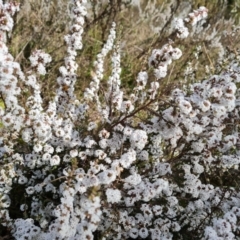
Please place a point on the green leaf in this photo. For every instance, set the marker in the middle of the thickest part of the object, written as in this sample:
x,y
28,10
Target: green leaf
x,y
2,105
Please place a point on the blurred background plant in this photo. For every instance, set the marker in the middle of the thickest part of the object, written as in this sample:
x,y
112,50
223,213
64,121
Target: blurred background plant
x,y
142,26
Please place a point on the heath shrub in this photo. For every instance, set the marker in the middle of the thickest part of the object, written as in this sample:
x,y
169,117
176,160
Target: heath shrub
x,y
112,165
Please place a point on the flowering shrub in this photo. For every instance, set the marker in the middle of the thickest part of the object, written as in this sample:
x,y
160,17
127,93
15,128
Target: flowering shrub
x,y
146,167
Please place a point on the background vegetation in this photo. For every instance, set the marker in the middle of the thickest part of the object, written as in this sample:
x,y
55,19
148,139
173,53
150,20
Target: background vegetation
x,y
142,26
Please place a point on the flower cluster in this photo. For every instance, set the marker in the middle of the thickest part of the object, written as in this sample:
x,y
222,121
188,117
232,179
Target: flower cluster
x,y
151,168
192,19
161,58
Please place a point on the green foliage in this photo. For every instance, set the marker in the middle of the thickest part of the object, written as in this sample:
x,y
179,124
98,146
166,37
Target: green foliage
x,y
1,106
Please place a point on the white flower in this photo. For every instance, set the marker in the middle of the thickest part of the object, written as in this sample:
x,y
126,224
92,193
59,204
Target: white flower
x,y
38,187
91,126
197,15
41,69
134,179
157,210
73,153
160,71
100,154
127,131
59,149
133,233
205,105
82,155
107,176
128,158
22,180
55,160
127,106
27,134
104,134
215,92
48,148
7,120
113,195
142,80
90,143
153,89
218,110
46,157
143,155
30,190
198,146
119,127
185,106
117,100
23,207
182,31
38,147
143,232
138,139
39,59
176,53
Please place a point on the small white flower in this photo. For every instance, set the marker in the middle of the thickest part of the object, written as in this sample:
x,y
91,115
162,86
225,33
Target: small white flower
x,y
205,105
30,190
113,195
185,106
22,180
73,153
143,232
134,179
138,139
90,143
142,80
133,233
100,154
46,157
127,131
182,31
23,207
143,155
104,134
128,158
160,71
55,160
176,53
107,176
127,106
82,155
38,147
91,126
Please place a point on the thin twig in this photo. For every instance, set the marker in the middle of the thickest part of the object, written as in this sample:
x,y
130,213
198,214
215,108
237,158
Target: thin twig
x,y
209,59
